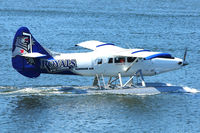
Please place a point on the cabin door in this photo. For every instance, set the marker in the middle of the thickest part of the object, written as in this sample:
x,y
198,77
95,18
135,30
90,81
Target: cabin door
x,y
99,66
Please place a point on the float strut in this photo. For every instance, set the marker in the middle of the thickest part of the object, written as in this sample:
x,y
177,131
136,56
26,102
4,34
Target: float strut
x,y
103,80
142,78
130,81
120,79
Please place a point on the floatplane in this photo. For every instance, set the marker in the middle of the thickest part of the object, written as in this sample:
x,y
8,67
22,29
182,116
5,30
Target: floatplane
x,y
30,59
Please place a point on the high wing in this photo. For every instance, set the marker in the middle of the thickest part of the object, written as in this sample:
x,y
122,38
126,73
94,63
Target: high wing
x,y
97,45
90,44
142,53
118,51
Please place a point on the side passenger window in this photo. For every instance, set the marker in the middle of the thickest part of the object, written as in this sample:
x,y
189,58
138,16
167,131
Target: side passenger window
x,y
131,59
119,59
110,60
99,61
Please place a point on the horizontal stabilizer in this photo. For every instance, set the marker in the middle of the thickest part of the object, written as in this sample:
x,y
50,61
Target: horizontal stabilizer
x,y
34,55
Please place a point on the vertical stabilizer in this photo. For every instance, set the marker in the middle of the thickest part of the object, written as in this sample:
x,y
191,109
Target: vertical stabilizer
x,y
26,53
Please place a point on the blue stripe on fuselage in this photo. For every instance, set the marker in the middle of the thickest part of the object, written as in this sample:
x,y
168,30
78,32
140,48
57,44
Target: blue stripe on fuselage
x,y
165,55
139,51
105,45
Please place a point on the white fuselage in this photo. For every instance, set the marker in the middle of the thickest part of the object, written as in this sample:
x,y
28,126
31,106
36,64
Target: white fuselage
x,y
96,62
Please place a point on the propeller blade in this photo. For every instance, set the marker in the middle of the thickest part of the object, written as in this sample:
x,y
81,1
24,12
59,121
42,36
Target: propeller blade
x,y
185,54
184,58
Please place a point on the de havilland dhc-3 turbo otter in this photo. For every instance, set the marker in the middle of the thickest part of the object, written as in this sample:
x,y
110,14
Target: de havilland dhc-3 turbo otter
x,y
30,59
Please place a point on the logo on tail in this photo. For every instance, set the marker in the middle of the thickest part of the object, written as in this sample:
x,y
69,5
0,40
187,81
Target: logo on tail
x,y
23,43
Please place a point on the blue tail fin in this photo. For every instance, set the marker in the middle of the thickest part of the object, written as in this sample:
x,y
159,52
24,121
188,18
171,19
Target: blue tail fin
x,y
25,44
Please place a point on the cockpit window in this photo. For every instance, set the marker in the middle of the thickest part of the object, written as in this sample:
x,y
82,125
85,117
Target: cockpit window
x,y
165,57
131,59
119,59
110,60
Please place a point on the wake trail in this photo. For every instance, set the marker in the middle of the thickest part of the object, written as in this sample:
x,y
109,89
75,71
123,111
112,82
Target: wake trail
x,y
190,90
151,89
